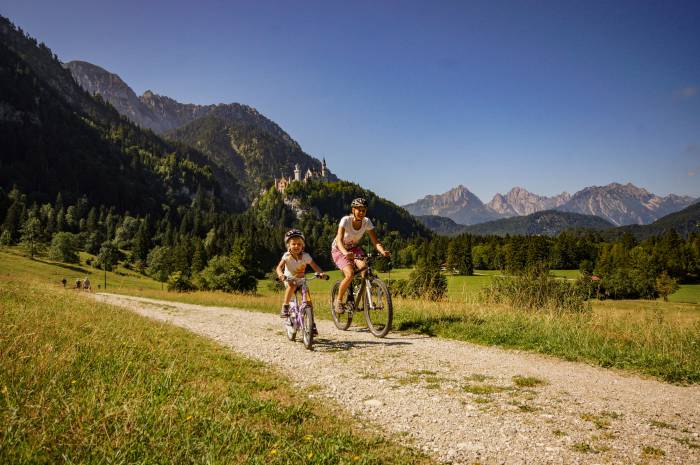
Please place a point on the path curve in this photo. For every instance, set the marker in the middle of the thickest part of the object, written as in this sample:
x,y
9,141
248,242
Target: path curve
x,y
458,401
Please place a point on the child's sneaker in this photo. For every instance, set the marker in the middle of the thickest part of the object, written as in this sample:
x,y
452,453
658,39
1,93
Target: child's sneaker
x,y
314,331
284,313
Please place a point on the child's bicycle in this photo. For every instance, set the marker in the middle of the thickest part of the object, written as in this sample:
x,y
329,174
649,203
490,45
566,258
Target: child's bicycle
x,y
370,296
301,312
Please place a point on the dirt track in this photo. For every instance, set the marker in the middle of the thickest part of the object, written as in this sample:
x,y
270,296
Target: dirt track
x,y
458,401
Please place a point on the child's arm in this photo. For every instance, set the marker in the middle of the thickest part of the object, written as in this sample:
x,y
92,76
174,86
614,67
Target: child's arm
x,y
316,268
280,270
378,245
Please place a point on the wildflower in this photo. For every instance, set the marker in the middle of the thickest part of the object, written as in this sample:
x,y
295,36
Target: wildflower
x,y
273,451
188,418
356,458
309,455
308,438
4,390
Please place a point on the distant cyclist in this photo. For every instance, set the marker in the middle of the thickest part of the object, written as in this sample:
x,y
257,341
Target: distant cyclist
x,y
345,250
293,265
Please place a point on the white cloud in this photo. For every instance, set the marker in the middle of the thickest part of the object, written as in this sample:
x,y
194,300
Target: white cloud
x,y
686,93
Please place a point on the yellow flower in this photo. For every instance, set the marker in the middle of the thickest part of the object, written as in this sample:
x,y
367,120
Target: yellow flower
x,y
4,390
73,382
273,452
356,458
308,438
188,418
309,455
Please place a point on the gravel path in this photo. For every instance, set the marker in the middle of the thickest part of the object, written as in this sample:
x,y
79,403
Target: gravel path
x,y
459,402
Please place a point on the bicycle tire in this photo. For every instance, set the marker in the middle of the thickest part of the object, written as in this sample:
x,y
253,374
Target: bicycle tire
x,y
342,321
289,328
308,326
380,317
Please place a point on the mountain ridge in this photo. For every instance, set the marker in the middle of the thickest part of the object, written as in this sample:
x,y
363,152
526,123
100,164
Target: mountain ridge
x,y
617,203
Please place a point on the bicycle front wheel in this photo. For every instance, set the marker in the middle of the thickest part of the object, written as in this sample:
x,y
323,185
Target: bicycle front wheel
x,y
308,334
342,320
378,308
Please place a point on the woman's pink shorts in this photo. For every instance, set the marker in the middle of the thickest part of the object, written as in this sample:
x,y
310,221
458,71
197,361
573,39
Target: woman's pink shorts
x,y
340,260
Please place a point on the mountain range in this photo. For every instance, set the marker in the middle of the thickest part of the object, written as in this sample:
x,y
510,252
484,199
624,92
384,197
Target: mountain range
x,y
246,144
619,204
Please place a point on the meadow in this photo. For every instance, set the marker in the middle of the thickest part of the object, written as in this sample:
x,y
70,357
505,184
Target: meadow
x,y
84,382
657,338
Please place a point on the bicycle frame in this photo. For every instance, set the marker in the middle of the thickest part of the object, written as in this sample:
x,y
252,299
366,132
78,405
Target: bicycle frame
x,y
362,293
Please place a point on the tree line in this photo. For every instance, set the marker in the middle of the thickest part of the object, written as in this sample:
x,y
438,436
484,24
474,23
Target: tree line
x,y
199,246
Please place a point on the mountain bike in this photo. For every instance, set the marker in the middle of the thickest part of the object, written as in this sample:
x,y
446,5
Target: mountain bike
x,y
369,295
301,311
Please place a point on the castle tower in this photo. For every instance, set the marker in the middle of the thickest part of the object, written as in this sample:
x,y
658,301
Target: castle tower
x,y
297,172
323,169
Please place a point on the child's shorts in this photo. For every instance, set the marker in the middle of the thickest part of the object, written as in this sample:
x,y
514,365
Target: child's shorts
x,y
341,261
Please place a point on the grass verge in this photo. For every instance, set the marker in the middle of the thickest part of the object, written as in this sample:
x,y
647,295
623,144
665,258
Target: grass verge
x,y
82,382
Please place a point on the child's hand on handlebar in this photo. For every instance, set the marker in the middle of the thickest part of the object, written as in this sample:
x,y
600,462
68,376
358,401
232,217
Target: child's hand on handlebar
x,y
350,255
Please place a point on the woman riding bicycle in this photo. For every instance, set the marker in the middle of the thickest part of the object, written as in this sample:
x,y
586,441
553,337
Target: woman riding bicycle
x,y
344,249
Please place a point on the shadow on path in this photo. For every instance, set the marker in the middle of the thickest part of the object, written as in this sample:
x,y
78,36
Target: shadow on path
x,y
330,345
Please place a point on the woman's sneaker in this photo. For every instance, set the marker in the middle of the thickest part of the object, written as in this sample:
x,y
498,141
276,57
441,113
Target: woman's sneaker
x,y
284,313
339,307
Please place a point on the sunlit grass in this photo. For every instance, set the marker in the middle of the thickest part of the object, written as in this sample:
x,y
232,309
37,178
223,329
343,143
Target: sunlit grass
x,y
654,337
84,382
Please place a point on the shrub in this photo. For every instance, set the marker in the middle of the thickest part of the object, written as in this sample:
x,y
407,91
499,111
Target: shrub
x,y
177,281
536,289
666,285
227,274
397,287
427,282
63,248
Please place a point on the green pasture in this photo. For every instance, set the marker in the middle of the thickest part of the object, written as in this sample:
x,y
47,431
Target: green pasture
x,y
85,382
654,337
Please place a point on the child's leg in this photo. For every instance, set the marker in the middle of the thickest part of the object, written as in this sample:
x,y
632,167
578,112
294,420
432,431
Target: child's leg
x,y
288,293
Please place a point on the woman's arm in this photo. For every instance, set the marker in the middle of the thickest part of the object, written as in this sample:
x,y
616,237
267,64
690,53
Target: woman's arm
x,y
339,240
377,245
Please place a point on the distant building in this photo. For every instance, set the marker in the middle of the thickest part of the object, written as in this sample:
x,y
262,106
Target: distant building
x,y
282,183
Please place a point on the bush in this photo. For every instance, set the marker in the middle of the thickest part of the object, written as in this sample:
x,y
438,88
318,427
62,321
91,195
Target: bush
x,y
63,248
666,285
177,281
536,289
227,274
397,287
427,282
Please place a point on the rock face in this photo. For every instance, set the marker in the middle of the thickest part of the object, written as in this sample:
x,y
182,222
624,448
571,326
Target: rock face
x,y
619,204
458,204
519,202
97,80
624,204
236,137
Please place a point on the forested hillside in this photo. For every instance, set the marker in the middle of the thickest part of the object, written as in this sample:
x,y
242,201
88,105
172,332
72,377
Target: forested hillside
x,y
58,139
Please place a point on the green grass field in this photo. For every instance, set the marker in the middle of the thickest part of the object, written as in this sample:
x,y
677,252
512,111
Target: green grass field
x,y
653,337
83,382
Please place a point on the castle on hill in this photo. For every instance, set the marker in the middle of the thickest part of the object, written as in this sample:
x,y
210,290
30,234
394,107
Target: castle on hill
x,y
282,183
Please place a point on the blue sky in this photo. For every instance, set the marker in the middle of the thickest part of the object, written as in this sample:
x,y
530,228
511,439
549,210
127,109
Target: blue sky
x,y
413,98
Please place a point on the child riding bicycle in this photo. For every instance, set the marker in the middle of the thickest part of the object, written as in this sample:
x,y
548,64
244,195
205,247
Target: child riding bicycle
x,y
293,265
344,249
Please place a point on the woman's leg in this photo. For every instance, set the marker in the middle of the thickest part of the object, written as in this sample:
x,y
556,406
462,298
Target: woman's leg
x,y
345,283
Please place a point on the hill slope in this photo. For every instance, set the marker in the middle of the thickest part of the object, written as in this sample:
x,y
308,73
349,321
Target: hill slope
x,y
249,146
57,138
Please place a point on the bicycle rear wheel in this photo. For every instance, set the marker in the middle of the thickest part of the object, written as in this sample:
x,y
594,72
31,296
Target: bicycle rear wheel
x,y
342,320
308,321
379,313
